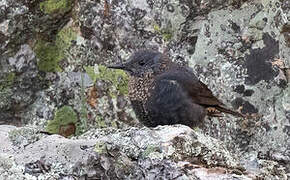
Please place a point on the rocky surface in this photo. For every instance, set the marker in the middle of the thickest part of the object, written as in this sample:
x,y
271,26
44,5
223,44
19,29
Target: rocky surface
x,y
166,152
53,78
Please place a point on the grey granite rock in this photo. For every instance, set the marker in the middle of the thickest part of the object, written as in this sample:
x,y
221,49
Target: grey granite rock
x,y
242,45
53,56
168,152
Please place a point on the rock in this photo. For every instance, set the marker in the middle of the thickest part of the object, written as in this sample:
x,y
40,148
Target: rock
x,y
6,144
163,152
53,55
249,78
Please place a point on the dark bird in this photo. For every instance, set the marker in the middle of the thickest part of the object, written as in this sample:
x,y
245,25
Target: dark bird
x,y
164,93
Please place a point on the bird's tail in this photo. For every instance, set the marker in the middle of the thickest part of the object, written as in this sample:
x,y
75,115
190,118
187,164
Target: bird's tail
x,y
235,113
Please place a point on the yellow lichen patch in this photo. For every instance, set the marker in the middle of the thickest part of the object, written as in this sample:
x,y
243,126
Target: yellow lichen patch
x,y
165,32
56,6
65,37
100,147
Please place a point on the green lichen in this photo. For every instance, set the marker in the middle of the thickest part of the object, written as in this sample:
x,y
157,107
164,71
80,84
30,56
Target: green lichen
x,y
64,37
156,28
90,71
10,78
56,6
165,32
51,53
167,35
100,147
23,136
117,77
196,129
114,124
7,81
100,122
63,116
149,149
49,56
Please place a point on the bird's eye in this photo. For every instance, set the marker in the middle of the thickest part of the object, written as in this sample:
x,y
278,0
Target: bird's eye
x,y
141,63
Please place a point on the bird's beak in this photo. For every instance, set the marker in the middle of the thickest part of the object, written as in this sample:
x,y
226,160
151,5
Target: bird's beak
x,y
125,67
117,66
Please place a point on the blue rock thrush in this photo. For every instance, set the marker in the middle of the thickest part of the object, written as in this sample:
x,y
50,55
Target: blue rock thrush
x,y
164,93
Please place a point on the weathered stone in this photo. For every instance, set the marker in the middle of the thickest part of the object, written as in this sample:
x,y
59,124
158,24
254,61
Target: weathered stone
x,y
53,55
170,152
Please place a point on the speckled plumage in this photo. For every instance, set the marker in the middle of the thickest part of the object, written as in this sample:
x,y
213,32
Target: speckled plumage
x,y
164,93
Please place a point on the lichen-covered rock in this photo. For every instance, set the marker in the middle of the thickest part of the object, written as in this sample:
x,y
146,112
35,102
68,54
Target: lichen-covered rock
x,y
18,84
51,53
180,143
54,53
246,68
168,152
56,7
64,122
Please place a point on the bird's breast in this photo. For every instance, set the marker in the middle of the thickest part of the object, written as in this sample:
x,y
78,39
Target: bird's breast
x,y
140,87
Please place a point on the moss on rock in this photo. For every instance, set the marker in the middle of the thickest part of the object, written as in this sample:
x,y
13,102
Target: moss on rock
x,y
90,71
10,78
65,116
51,53
56,6
167,35
65,37
165,32
5,90
49,56
7,81
117,77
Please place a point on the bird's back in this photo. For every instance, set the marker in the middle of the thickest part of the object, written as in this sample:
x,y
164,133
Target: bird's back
x,y
169,103
196,90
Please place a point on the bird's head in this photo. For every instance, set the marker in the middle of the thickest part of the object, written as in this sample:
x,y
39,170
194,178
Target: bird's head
x,y
141,62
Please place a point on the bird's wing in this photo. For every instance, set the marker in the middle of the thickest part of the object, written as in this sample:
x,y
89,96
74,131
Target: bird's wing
x,y
169,103
203,95
198,91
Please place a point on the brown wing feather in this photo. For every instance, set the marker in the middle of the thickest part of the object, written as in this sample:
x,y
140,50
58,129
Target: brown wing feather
x,y
204,96
198,91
